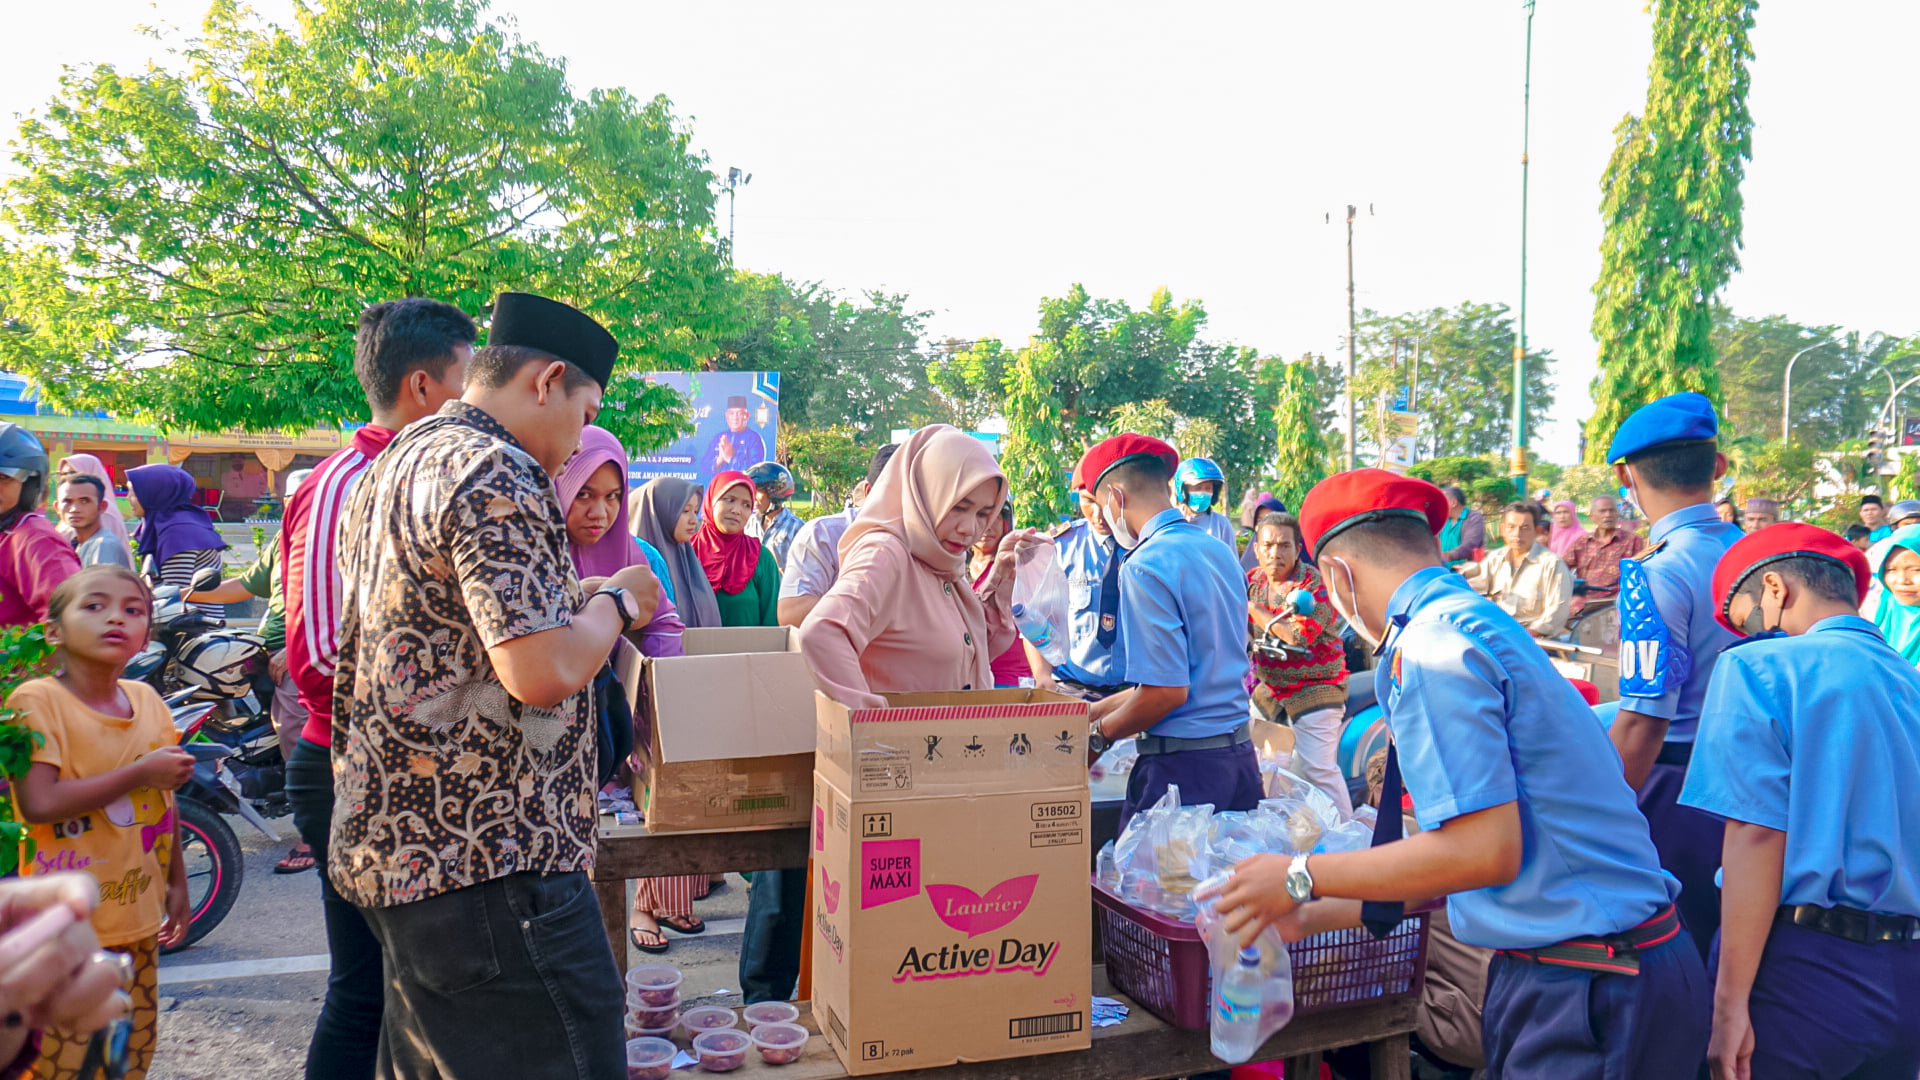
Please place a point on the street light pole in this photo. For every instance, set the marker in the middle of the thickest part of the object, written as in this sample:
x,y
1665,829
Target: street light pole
x,y
1786,390
1519,463
1353,446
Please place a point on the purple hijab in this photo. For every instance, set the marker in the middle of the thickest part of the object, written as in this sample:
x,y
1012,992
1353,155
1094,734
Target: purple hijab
x,y
615,550
170,523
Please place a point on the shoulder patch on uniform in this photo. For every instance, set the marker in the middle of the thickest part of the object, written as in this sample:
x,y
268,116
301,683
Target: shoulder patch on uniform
x,y
1647,553
1652,659
1062,529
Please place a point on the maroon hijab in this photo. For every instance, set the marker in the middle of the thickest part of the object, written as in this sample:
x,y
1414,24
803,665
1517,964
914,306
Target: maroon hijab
x,y
729,559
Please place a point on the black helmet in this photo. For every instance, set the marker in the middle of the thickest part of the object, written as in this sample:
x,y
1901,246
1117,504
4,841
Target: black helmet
x,y
772,478
24,459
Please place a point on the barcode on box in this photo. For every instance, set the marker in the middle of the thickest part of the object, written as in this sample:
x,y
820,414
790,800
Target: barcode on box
x,y
751,804
1028,1027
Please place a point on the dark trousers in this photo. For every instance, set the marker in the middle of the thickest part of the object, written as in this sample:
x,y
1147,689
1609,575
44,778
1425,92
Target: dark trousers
x,y
508,978
1824,1008
1689,843
770,944
1543,1021
348,1032
1226,776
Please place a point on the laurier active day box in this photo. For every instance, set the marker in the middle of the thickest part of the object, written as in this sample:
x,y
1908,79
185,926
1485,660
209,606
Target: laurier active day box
x,y
729,731
952,915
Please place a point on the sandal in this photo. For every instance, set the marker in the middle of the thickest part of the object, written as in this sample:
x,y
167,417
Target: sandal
x,y
656,947
297,861
684,924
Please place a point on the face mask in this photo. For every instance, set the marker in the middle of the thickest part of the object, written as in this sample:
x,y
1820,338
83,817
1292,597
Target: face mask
x,y
1756,628
1200,501
1333,595
1122,534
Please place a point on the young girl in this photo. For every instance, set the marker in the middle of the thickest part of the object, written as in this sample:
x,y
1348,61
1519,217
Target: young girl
x,y
99,790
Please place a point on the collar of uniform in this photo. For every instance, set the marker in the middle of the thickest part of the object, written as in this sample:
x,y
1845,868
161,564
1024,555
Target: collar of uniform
x,y
1400,605
1853,623
1160,521
1697,514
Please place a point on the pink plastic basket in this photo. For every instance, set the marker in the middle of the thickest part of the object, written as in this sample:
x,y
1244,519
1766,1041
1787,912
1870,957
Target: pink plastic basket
x,y
1162,964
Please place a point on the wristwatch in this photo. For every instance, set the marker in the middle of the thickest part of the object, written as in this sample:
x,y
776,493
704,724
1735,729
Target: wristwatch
x,y
624,603
1299,882
1097,743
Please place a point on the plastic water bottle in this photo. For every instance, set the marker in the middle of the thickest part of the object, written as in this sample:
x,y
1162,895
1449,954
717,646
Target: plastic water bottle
x,y
1041,603
1235,1026
1033,628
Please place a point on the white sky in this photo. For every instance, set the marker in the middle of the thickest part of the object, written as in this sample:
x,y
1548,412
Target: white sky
x,y
982,155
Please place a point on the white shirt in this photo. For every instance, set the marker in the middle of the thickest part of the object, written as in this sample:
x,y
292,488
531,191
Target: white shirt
x,y
813,559
1538,592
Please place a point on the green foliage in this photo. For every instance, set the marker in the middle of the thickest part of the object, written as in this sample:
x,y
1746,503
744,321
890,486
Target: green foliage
x,y
827,461
1906,482
1584,483
259,539
24,654
1035,457
970,379
1301,447
1465,391
1837,388
1482,478
1672,210
193,243
1784,472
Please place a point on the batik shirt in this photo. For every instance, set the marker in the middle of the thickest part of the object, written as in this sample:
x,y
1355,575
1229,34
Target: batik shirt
x,y
452,542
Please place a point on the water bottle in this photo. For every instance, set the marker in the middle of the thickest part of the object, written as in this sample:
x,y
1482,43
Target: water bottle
x,y
1033,628
1041,603
1236,1010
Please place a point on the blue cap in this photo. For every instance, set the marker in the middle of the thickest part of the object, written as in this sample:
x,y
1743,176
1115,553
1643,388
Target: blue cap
x,y
1683,417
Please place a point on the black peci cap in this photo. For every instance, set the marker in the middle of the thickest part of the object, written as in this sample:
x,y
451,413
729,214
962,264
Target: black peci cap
x,y
535,322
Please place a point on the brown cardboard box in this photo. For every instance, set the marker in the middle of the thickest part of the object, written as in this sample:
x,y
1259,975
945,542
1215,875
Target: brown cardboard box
x,y
732,732
952,916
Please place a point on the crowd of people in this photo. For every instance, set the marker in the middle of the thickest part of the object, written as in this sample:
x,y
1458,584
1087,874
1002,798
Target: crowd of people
x,y
1717,874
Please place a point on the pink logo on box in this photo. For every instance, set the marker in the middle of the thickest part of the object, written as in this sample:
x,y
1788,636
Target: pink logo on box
x,y
889,871
819,828
829,892
973,914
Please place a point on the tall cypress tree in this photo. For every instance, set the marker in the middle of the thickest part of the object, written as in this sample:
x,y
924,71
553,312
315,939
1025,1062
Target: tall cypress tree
x,y
1301,461
1035,457
1672,208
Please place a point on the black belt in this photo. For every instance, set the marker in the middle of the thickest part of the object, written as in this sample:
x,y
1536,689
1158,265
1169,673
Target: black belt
x,y
1149,745
1852,924
1675,753
1612,954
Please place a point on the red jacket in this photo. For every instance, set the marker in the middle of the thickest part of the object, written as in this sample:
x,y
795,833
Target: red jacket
x,y
34,560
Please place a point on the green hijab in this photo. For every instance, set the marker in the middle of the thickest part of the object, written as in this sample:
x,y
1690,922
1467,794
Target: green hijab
x,y
1898,623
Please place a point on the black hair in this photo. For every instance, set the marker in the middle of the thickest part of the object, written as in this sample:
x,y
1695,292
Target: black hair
x,y
1138,474
496,365
99,489
1829,579
1858,531
1523,506
1280,519
1676,466
1384,539
879,463
399,337
1454,493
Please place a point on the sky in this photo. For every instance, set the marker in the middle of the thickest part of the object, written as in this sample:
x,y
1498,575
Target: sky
x,y
981,156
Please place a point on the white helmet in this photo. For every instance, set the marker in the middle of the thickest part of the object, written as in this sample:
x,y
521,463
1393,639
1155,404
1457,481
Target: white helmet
x,y
222,661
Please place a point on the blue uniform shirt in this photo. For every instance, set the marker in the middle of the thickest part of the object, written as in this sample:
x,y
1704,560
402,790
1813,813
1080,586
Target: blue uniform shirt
x,y
1816,736
1183,622
1482,719
1083,555
1684,545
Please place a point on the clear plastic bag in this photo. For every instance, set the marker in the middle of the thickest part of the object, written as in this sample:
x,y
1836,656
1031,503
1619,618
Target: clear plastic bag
x,y
1162,855
1275,968
1040,601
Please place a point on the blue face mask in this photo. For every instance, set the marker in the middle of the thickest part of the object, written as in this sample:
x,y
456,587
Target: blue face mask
x,y
1199,501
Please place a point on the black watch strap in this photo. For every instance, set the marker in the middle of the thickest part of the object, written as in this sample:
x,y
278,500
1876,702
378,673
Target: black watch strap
x,y
620,598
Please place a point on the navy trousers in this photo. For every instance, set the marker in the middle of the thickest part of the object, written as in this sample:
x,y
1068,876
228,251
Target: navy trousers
x,y
348,1032
770,945
1689,843
1543,1022
1824,1008
1226,776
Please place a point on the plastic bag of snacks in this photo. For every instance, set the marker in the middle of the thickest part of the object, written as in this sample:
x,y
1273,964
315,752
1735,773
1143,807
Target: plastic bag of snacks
x,y
1162,855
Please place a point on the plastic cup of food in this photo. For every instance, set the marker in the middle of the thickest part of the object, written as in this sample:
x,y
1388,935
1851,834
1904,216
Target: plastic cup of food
x,y
650,1058
657,985
722,1049
708,1018
635,1031
770,1012
780,1043
642,1015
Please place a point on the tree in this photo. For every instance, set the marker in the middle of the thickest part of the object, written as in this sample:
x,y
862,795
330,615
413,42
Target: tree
x,y
970,380
1035,454
1672,210
1482,478
1465,390
194,243
1906,482
1301,446
1783,472
828,461
1837,388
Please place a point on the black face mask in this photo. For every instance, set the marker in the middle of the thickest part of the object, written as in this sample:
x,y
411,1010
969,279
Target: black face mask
x,y
1756,628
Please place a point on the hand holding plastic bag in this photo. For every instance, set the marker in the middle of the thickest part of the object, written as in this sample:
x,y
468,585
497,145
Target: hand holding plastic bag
x,y
1238,1026
1041,604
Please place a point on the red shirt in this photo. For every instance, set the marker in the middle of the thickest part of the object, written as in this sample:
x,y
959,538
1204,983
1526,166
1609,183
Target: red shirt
x,y
1598,564
34,560
310,575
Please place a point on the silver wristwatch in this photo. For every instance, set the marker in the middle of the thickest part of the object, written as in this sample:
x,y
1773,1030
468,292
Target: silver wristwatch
x,y
1299,882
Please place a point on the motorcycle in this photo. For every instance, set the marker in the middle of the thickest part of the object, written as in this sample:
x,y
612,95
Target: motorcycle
x,y
209,850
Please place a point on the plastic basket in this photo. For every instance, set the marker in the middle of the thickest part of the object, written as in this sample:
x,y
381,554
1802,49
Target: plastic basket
x,y
1161,964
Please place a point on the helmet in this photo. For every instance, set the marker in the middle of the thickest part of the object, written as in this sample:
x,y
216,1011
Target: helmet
x,y
222,661
772,479
24,459
1198,470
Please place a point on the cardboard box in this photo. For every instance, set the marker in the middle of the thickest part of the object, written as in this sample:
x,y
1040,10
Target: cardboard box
x,y
952,912
729,732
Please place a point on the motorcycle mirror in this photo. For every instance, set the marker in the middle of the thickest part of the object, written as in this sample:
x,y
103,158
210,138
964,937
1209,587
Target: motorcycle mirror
x,y
206,579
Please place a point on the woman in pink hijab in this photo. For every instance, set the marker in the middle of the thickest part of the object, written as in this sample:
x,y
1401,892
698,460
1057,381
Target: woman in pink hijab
x,y
1567,529
593,492
904,614
88,465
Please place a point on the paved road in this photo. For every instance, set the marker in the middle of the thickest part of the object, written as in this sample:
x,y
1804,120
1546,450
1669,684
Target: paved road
x,y
241,1004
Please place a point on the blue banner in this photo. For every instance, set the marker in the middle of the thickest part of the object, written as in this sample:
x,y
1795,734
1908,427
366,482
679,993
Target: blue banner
x,y
736,415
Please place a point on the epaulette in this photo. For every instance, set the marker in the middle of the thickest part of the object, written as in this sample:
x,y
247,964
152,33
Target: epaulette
x,y
1064,528
1649,552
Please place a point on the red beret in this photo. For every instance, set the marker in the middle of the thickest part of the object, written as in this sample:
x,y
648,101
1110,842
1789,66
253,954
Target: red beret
x,y
1107,453
1787,540
1351,498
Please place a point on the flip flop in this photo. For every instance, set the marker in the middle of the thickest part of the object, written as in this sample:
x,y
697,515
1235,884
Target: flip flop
x,y
684,924
661,946
298,861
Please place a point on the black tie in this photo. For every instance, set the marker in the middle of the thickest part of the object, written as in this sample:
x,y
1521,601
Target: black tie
x,y
1110,598
1381,916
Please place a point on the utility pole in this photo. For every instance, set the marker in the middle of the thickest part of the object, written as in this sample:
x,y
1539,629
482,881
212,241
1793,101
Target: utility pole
x,y
735,180
1519,463
1353,447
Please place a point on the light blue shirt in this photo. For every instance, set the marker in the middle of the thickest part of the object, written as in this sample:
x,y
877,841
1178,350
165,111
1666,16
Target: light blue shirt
x,y
658,564
813,559
1183,622
1220,527
1482,719
1083,555
1816,736
1683,548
